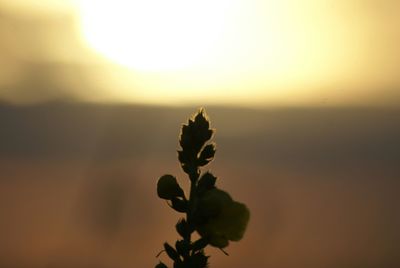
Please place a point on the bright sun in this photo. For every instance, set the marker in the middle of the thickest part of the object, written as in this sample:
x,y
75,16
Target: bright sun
x,y
154,34
230,51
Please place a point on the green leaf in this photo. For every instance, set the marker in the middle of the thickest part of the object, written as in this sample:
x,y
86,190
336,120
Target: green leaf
x,y
168,188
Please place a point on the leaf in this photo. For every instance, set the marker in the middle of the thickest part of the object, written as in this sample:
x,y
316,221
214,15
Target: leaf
x,y
206,182
232,222
179,264
195,134
199,244
168,188
185,139
207,154
182,246
218,241
213,201
184,157
198,260
179,204
182,227
201,121
226,219
161,265
171,252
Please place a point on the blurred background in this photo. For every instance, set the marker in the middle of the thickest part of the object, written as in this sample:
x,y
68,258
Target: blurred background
x,y
305,97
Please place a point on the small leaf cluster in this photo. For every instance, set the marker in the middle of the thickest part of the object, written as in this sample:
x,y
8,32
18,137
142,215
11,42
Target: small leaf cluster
x,y
209,211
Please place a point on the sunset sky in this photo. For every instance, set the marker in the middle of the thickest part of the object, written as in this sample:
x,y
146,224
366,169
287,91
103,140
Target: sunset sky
x,y
257,52
304,96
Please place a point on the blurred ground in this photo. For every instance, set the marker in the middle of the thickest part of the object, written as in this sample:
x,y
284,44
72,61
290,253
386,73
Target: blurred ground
x,y
77,185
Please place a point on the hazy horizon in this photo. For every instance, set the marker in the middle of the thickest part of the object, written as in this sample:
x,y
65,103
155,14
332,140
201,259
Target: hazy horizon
x,y
321,184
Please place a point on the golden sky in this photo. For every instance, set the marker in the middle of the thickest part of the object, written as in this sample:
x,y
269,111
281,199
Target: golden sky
x,y
253,52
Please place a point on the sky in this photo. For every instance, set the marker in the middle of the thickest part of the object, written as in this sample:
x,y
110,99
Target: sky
x,y
78,166
246,53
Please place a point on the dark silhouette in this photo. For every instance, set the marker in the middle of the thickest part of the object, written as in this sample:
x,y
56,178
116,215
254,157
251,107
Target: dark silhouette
x,y
209,211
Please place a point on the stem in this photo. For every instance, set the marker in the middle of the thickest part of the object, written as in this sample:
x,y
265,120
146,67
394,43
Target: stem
x,y
194,175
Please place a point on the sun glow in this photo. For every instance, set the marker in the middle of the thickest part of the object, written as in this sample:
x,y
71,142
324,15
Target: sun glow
x,y
154,34
231,51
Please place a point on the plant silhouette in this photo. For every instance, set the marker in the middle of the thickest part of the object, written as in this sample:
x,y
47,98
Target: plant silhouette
x,y
209,211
